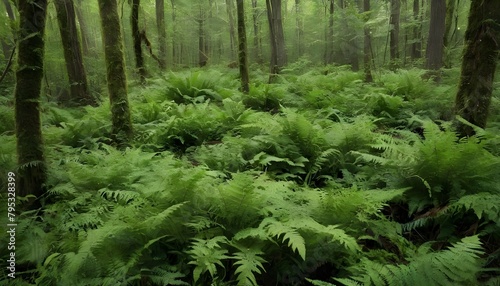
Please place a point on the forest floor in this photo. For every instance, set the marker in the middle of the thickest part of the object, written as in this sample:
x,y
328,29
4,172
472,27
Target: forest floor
x,y
319,179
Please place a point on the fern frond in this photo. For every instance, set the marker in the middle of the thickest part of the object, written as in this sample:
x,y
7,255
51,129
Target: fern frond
x,y
277,229
249,261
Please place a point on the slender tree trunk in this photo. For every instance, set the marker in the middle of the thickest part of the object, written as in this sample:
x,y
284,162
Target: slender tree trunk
x,y
174,35
232,34
7,47
299,23
436,35
242,46
278,52
136,36
367,59
115,70
450,12
329,37
32,169
202,55
256,35
394,34
416,46
88,45
478,65
77,76
162,33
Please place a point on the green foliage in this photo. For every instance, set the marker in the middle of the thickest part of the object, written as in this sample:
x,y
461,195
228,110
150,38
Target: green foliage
x,y
195,87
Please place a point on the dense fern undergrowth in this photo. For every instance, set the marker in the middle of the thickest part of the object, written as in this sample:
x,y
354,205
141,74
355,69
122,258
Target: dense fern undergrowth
x,y
319,179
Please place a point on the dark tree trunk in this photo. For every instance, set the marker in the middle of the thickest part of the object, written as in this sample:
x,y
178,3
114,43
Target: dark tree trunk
x,y
136,35
174,35
478,64
115,71
162,33
32,169
329,37
232,34
278,53
394,34
256,35
242,46
367,59
73,54
416,46
436,35
450,11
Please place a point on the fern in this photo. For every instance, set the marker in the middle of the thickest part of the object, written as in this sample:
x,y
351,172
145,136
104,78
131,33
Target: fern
x,y
248,262
207,255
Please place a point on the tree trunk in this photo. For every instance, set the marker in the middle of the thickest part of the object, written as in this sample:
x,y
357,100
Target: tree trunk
x,y
450,11
77,76
232,34
136,36
278,53
175,59
416,46
436,35
202,56
7,47
299,23
87,44
115,69
367,46
256,36
394,34
162,33
329,37
242,46
478,65
32,169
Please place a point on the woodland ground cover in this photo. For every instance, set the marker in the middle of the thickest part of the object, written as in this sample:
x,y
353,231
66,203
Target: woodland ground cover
x,y
317,179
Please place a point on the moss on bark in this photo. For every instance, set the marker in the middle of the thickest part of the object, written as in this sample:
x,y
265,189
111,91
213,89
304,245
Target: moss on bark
x,y
115,70
478,64
29,74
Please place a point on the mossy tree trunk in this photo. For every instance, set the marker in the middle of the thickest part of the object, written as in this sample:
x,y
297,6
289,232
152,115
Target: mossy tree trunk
x,y
115,70
277,38
162,33
257,42
416,46
478,64
137,39
242,46
232,34
88,44
32,169
77,76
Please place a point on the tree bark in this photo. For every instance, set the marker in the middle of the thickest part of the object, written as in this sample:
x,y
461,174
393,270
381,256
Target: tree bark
x,y
77,76
32,169
162,33
278,52
367,59
115,70
232,34
436,35
88,45
394,34
329,36
175,59
478,65
416,46
242,47
202,55
299,23
136,36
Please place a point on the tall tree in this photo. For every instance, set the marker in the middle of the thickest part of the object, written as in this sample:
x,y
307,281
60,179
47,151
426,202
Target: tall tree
x,y
29,74
434,53
278,52
256,35
202,46
77,76
137,38
478,64
162,33
232,34
416,46
367,59
394,32
242,46
175,56
329,36
115,71
88,44
299,26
